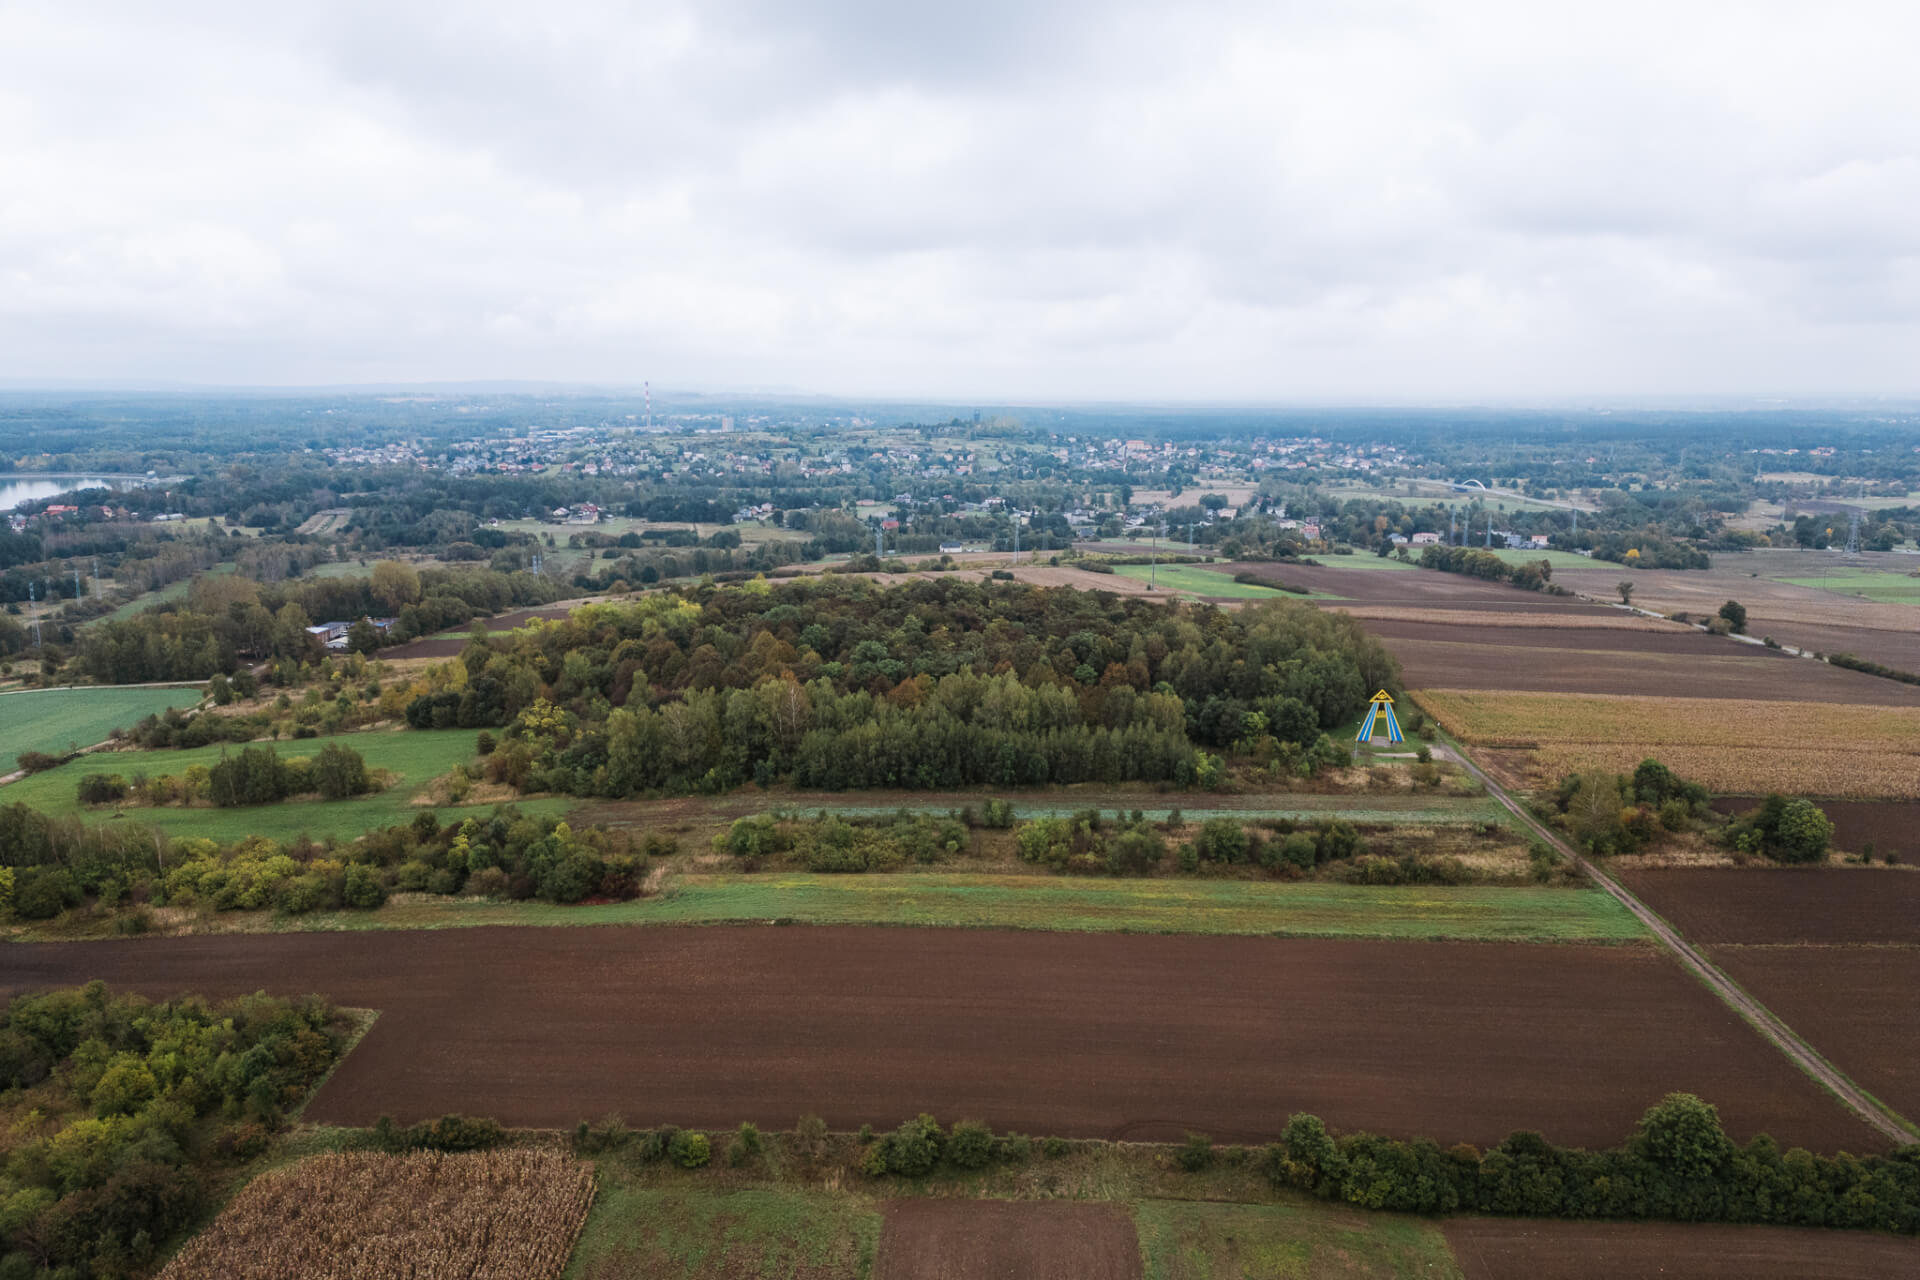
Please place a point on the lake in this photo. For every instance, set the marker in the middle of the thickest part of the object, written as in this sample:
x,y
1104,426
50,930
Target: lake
x,y
16,489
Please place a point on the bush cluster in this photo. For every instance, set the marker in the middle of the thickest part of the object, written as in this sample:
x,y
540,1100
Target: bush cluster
x,y
1679,1165
129,1100
1785,830
1612,814
834,844
450,1132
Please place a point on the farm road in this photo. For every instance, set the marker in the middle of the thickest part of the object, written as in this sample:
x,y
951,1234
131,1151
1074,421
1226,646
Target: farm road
x,y
1889,1123
1083,1035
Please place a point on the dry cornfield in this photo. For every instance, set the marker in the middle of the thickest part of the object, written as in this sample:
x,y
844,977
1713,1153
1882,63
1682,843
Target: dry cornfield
x,y
493,1215
1727,745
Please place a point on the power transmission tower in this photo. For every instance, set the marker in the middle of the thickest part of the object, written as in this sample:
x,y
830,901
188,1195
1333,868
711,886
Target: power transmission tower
x,y
33,598
1853,533
1489,530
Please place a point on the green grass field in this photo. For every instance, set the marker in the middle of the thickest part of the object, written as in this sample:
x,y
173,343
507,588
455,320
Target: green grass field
x,y
1887,588
1558,559
51,720
1207,582
169,594
417,756
941,900
1360,560
1191,1240
700,1234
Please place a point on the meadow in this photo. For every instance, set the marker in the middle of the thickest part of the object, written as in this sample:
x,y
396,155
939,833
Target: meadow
x,y
696,1233
1883,586
415,757
53,720
1053,903
1192,1240
1732,745
1198,581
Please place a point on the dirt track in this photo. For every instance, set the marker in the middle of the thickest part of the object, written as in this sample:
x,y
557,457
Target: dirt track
x,y
1080,1035
1518,1249
1006,1240
1834,905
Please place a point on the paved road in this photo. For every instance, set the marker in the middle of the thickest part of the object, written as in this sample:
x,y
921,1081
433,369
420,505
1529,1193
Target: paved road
x,y
1762,1019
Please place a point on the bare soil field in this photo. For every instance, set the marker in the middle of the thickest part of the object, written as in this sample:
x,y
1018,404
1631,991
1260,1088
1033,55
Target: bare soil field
x,y
1782,905
996,1239
1671,661
1423,588
1513,1249
1854,1004
1806,617
1080,1035
1890,826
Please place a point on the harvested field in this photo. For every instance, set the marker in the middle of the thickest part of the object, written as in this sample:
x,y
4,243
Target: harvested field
x,y
989,1239
1823,905
1854,1004
1084,1035
510,1215
1862,751
1890,826
1487,623
1808,617
1410,586
1512,1249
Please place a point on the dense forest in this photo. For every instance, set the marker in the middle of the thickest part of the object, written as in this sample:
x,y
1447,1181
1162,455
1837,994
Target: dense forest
x,y
840,682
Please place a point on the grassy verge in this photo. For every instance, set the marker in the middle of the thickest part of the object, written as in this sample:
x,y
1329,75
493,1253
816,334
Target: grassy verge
x,y
1186,1240
54,720
692,1233
1259,908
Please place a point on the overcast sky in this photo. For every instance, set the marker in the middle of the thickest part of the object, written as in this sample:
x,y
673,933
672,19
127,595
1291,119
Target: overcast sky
x,y
990,200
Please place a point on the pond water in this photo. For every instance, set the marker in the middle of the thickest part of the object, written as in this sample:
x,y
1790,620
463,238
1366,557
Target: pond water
x,y
16,489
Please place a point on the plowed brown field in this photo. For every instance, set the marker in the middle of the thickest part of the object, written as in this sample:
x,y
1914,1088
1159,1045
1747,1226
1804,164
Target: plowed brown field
x,y
1504,1249
1830,905
1676,663
1854,1004
1080,1035
1004,1239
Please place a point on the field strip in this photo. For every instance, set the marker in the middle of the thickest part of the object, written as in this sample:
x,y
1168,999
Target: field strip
x,y
1058,904
1758,1016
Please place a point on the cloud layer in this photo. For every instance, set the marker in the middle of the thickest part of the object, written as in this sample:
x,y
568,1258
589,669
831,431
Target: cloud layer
x,y
1200,201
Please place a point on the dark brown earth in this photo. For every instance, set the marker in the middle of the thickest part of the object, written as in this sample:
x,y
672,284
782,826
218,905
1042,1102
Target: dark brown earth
x,y
451,646
1830,905
1576,660
1006,1240
1418,588
1510,1249
1890,826
1854,1004
1072,1034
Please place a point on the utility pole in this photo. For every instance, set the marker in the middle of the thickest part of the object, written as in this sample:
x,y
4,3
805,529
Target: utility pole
x,y
1489,530
33,598
1016,537
1153,555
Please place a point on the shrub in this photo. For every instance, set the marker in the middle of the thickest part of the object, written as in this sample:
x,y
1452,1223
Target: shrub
x,y
339,772
1136,853
810,1139
915,1147
1222,840
102,788
690,1149
1054,1148
745,1145
1196,1153
361,888
970,1145
38,761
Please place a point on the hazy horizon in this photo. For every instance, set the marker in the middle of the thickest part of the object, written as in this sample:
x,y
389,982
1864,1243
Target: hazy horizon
x,y
1396,205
